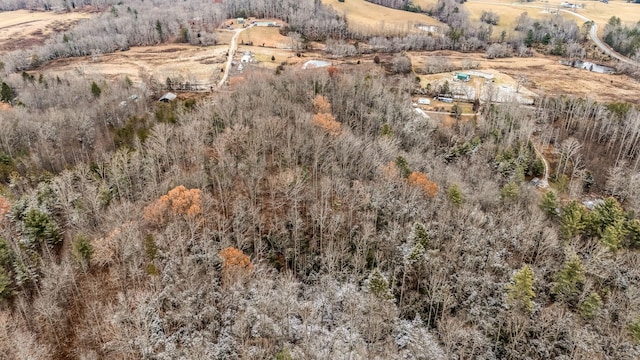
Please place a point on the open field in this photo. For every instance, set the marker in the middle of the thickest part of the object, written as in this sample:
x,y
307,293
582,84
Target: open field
x,y
594,10
202,65
265,36
23,28
601,13
262,56
543,76
425,4
374,19
224,37
508,14
198,65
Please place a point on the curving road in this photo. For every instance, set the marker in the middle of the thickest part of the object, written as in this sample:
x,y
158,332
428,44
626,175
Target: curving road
x,y
232,51
593,33
544,182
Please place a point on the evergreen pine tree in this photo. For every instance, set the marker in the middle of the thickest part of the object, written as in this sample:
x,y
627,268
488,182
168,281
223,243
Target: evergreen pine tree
x,y
568,281
520,292
379,286
590,306
549,204
455,194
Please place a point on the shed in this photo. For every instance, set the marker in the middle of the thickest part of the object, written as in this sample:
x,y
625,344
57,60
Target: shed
x,y
240,21
424,101
168,97
266,23
463,76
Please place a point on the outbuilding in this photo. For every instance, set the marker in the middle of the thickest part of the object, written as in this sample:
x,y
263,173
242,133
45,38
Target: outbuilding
x,y
463,76
168,97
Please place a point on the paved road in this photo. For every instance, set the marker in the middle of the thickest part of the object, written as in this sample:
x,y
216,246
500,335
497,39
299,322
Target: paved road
x,y
593,33
232,50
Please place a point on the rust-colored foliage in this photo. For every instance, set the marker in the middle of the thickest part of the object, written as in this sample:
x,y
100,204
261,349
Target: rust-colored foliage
x,y
5,205
178,201
323,117
422,181
327,122
333,71
236,263
321,104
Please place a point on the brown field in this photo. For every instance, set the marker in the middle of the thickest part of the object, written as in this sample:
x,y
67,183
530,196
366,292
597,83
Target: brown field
x,y
509,10
224,37
202,65
23,28
545,76
265,36
601,13
263,56
198,65
508,14
374,19
425,4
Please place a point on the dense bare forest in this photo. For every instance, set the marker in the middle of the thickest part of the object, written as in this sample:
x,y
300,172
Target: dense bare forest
x,y
310,215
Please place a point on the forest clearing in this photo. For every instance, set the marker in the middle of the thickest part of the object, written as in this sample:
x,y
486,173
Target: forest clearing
x,y
24,28
372,19
201,66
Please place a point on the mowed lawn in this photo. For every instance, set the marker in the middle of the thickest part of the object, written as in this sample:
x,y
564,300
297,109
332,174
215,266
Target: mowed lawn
x,y
372,19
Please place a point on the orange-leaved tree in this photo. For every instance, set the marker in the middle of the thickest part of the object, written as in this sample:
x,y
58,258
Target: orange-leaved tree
x,y
178,201
422,181
323,117
333,71
235,263
321,104
327,122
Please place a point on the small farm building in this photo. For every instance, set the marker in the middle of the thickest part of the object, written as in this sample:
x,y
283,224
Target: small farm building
x,y
463,76
168,97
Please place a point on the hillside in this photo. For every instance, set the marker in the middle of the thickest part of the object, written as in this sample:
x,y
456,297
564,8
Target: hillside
x,y
360,209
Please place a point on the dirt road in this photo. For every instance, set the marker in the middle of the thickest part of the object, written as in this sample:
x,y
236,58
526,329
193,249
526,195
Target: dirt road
x,y
232,50
593,33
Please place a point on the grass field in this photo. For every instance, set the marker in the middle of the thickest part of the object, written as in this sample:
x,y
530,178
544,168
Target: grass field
x,y
508,14
601,13
23,28
263,56
198,65
372,19
425,4
597,11
267,36
543,76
